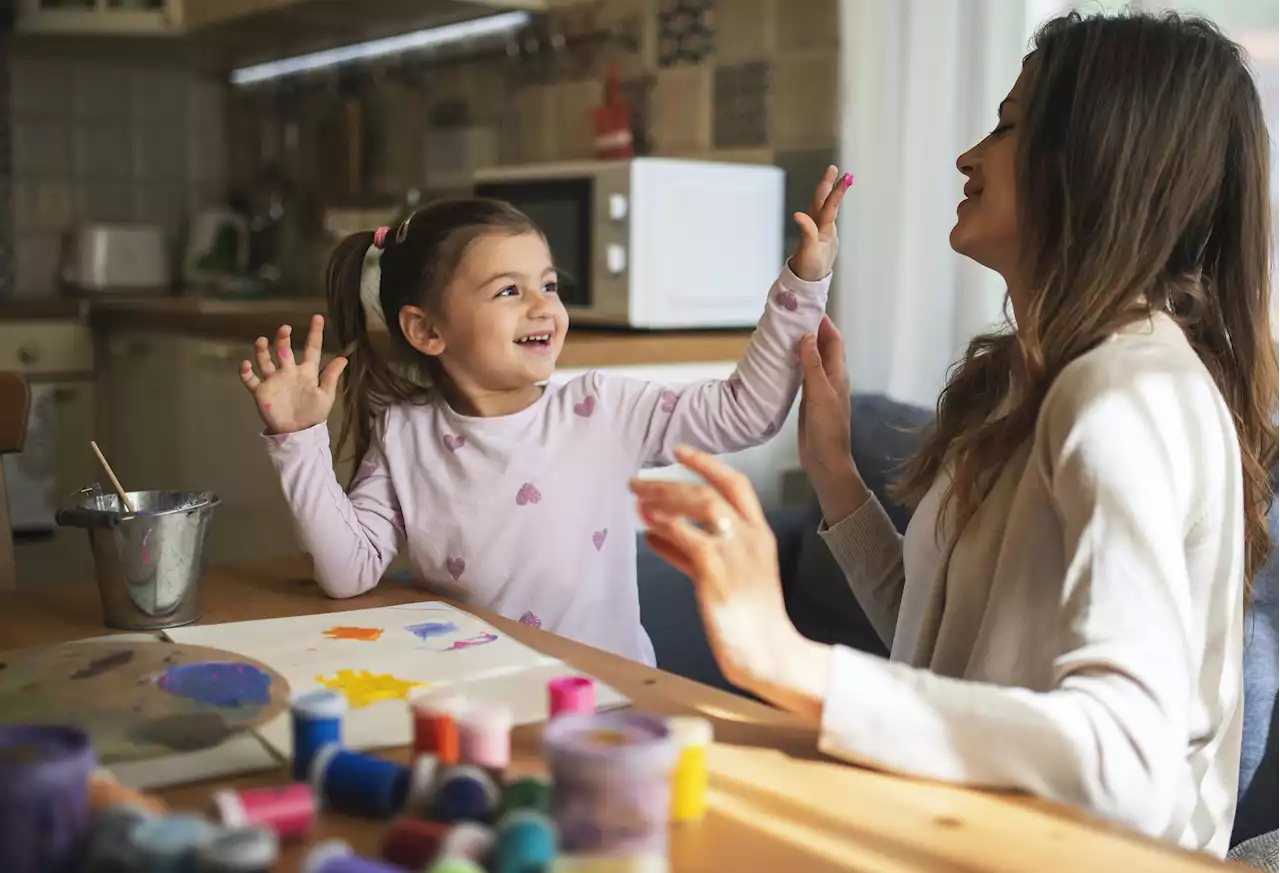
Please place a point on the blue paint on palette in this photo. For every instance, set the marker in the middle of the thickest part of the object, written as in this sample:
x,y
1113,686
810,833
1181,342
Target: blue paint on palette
x,y
429,629
220,684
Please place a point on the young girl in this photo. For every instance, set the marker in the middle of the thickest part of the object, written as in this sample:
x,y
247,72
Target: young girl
x,y
510,493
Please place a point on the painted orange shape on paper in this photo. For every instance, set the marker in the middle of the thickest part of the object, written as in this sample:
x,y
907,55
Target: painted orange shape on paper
x,y
362,634
362,688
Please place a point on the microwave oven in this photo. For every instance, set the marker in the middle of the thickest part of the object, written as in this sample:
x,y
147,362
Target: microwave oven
x,y
654,243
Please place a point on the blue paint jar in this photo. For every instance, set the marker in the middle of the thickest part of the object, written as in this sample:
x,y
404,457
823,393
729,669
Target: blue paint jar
x,y
335,856
526,843
464,793
359,784
317,722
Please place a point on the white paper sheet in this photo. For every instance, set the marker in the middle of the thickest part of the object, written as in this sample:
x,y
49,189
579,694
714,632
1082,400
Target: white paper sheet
x,y
429,643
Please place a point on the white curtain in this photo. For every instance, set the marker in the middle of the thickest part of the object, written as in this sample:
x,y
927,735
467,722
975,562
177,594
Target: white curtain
x,y
921,81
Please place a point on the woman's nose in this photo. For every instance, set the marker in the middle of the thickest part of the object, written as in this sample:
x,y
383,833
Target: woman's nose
x,y
967,162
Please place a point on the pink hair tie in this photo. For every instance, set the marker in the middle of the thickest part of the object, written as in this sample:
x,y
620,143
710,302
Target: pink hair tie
x,y
380,236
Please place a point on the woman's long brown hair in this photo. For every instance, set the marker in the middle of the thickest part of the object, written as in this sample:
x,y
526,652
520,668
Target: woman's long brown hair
x,y
417,263
1143,179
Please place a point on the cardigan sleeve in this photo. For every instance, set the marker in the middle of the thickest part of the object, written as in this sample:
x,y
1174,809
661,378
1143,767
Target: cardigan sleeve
x,y
1109,734
868,549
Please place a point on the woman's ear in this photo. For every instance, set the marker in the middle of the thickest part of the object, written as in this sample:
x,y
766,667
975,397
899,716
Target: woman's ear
x,y
419,329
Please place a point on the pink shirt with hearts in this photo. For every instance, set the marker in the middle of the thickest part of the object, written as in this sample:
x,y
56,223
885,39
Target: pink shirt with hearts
x,y
529,514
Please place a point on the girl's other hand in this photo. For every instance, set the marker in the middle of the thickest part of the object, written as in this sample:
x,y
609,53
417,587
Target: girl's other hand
x,y
292,395
816,253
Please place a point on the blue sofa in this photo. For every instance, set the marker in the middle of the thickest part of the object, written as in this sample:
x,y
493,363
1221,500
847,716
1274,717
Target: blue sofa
x,y
823,608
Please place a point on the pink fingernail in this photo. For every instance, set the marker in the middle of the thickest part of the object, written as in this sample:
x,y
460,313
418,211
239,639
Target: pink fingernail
x,y
284,353
848,179
266,407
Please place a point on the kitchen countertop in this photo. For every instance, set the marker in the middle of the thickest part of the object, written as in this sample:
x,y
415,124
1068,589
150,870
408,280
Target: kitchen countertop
x,y
244,320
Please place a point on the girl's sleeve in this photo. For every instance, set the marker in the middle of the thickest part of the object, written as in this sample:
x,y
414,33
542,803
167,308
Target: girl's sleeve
x,y
723,415
1109,734
351,538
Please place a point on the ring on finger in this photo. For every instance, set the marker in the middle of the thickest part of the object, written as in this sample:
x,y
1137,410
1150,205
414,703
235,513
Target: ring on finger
x,y
721,527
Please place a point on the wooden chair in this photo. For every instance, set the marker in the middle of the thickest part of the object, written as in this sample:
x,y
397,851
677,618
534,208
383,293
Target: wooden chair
x,y
15,406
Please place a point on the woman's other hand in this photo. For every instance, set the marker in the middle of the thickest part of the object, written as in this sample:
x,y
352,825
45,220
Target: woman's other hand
x,y
718,536
825,443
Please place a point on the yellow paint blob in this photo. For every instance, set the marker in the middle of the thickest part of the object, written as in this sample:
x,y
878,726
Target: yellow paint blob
x,y
362,688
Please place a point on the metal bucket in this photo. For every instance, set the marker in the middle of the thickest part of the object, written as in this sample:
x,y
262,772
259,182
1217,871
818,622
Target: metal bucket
x,y
149,563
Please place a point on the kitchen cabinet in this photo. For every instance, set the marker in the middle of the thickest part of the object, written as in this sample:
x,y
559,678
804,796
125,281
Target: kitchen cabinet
x,y
138,406
104,17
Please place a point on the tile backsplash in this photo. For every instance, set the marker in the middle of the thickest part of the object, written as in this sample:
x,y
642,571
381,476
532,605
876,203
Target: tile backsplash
x,y
102,139
740,80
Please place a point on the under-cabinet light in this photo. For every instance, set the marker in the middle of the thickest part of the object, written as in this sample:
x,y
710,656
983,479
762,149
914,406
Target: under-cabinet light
x,y
431,37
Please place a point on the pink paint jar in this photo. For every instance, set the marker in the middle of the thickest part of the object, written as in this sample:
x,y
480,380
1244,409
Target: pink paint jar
x,y
571,694
484,736
289,811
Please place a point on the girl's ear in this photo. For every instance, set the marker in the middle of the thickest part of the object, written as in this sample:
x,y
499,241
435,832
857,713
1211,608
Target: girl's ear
x,y
419,329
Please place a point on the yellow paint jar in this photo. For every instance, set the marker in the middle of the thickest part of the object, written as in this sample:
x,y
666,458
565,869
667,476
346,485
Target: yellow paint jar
x,y
691,736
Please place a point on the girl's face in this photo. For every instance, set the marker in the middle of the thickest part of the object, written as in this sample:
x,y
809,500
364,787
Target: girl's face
x,y
501,326
986,228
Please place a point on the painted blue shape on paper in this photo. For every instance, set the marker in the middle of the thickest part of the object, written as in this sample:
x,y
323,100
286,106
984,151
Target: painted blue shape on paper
x,y
429,629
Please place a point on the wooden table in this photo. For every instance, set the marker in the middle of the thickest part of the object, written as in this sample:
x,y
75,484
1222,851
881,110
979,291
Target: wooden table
x,y
776,804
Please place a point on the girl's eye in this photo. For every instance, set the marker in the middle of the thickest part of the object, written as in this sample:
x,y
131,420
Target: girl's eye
x,y
509,291
551,288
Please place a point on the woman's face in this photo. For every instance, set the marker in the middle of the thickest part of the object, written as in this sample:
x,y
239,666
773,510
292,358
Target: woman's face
x,y
986,220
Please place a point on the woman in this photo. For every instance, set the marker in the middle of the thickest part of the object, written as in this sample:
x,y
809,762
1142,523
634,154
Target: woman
x,y
1065,611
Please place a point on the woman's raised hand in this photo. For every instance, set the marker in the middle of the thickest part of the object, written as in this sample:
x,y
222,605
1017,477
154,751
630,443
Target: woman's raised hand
x,y
292,394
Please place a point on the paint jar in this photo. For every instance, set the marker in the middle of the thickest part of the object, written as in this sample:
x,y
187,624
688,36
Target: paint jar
x,y
111,845
484,737
317,722
359,784
526,841
467,841
571,694
435,730
171,844
335,856
643,863
612,777
240,850
44,806
691,736
412,843
465,793
288,811
527,792
422,785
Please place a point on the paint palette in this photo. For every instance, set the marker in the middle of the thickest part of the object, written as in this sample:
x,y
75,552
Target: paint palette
x,y
140,700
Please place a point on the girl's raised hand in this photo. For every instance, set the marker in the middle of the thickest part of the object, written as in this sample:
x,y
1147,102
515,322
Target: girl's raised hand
x,y
292,394
816,252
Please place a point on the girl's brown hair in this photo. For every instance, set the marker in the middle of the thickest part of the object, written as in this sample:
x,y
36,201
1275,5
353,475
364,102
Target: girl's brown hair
x,y
1143,183
418,260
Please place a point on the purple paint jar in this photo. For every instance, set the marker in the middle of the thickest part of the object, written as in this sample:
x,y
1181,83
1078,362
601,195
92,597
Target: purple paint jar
x,y
612,775
44,810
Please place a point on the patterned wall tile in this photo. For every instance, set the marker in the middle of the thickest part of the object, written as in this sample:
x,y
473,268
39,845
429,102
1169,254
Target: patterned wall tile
x,y
742,106
803,169
638,93
632,27
805,92
804,25
686,32
744,30
681,121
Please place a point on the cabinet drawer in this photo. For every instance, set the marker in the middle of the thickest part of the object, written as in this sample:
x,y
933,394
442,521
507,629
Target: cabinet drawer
x,y
37,348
